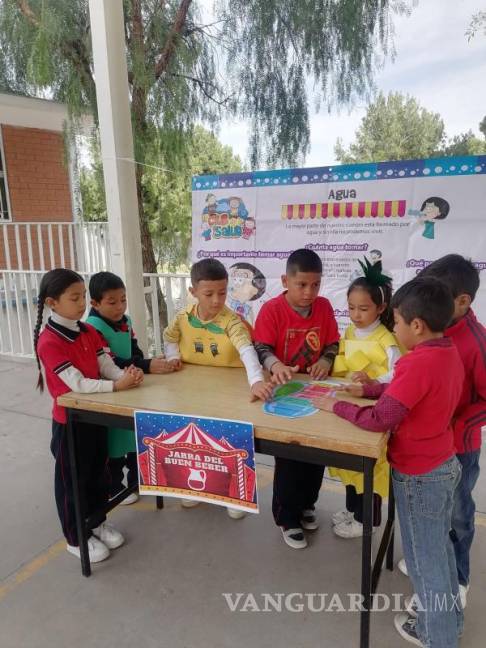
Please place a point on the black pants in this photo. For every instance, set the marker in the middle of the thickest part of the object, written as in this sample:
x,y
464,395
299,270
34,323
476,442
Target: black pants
x,y
92,458
116,465
354,504
296,486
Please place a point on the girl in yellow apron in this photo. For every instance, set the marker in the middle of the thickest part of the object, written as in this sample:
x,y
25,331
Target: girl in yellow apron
x,y
368,351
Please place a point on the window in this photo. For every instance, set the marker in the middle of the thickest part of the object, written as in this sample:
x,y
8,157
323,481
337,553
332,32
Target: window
x,y
4,211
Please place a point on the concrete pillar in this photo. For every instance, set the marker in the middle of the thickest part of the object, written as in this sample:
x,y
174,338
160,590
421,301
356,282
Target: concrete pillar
x,y
110,70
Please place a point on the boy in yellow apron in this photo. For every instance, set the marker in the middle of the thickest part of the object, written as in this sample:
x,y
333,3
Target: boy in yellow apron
x,y
209,333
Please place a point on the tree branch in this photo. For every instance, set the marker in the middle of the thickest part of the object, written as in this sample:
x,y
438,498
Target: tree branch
x,y
28,13
202,86
163,61
73,50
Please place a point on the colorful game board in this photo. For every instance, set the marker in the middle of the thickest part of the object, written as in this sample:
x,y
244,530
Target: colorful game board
x,y
294,399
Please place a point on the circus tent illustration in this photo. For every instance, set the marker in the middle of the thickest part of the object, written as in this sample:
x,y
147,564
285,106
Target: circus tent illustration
x,y
191,461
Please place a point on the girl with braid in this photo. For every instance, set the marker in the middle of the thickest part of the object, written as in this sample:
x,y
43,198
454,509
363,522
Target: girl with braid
x,y
73,359
368,352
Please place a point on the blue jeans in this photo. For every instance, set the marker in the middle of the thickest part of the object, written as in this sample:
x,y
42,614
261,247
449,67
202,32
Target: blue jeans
x,y
462,533
424,507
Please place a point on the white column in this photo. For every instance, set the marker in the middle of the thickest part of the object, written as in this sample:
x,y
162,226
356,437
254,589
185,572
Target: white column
x,y
110,67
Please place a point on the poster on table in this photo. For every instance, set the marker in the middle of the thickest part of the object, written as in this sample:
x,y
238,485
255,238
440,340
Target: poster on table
x,y
404,213
206,459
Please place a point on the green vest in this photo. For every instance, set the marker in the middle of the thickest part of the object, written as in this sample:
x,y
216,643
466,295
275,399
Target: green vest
x,y
120,342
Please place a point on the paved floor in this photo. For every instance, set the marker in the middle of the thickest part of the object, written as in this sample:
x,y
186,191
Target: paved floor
x,y
165,588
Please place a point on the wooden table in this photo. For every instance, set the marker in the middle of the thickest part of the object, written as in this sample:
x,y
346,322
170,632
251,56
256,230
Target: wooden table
x,y
323,439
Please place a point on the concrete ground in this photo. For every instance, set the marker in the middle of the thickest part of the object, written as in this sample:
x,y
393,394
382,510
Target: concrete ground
x,y
164,588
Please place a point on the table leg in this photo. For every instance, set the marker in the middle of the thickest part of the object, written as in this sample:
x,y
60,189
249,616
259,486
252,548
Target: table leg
x,y
391,518
78,499
160,501
366,552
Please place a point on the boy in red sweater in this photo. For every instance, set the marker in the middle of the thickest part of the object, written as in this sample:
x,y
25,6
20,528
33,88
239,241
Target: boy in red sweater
x,y
417,406
297,332
469,336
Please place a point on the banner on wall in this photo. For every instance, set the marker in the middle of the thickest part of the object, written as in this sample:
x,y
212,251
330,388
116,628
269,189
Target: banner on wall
x,y
206,459
405,214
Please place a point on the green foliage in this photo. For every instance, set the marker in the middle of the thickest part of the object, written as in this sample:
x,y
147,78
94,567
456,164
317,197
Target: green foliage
x,y
276,49
395,127
166,188
464,144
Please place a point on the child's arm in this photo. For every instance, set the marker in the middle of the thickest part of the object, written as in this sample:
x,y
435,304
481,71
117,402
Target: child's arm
x,y
471,417
322,367
385,415
266,330
256,380
171,337
240,338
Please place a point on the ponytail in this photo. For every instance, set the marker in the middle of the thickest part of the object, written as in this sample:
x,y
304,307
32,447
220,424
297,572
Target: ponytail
x,y
53,284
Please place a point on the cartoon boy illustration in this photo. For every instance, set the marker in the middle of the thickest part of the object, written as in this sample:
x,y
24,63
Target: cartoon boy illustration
x,y
237,208
211,204
433,209
246,284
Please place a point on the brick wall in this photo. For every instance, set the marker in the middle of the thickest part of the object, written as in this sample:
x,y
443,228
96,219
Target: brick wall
x,y
39,190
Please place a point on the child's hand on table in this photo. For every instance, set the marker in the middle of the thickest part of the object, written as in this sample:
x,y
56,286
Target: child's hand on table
x,y
129,379
175,363
160,365
281,374
319,369
325,403
361,377
353,389
261,391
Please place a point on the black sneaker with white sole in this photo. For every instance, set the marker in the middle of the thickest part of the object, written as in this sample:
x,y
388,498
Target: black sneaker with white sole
x,y
309,520
406,626
295,537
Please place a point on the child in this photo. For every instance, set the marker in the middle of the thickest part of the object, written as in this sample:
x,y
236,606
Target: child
x,y
417,406
74,360
369,348
209,333
107,315
469,336
295,332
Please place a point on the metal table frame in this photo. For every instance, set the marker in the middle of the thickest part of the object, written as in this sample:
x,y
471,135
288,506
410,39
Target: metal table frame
x,y
370,574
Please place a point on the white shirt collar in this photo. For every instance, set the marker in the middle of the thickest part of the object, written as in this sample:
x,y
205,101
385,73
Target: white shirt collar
x,y
364,332
72,325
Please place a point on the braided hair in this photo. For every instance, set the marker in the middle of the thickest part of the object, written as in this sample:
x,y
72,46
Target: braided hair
x,y
53,284
379,288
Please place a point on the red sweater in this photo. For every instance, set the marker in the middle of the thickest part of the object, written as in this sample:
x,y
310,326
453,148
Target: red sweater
x,y
296,340
59,348
417,405
469,336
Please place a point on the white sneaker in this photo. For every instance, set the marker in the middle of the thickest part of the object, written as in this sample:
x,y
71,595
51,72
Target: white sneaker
x,y
109,535
342,516
463,590
402,566
131,499
295,538
352,529
97,551
188,503
234,514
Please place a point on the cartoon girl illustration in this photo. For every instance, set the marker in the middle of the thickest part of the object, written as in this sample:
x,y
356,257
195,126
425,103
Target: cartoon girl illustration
x,y
433,209
246,284
249,228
